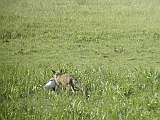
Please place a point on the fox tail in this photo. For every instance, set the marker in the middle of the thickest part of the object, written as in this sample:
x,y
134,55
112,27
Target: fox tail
x,y
82,88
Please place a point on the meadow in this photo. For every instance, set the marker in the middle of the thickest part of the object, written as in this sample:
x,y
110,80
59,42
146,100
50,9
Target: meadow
x,y
111,46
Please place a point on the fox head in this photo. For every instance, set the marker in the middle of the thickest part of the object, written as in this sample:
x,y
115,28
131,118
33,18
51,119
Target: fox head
x,y
56,74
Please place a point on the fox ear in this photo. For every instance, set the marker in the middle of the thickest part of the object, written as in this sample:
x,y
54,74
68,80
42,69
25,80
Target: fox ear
x,y
53,71
60,71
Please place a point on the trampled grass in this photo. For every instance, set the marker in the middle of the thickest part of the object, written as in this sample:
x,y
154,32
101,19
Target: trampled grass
x,y
113,47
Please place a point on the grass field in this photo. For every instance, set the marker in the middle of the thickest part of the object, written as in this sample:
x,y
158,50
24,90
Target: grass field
x,y
111,46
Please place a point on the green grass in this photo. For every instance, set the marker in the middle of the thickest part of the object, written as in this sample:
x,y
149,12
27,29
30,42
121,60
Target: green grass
x,y
113,47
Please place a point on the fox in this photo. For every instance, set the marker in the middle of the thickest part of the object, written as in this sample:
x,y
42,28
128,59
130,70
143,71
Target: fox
x,y
63,80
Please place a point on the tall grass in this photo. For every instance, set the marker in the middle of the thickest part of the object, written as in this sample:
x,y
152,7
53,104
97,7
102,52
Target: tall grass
x,y
122,95
112,47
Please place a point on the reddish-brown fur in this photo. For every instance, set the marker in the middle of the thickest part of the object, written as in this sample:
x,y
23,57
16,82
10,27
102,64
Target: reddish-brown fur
x,y
63,80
